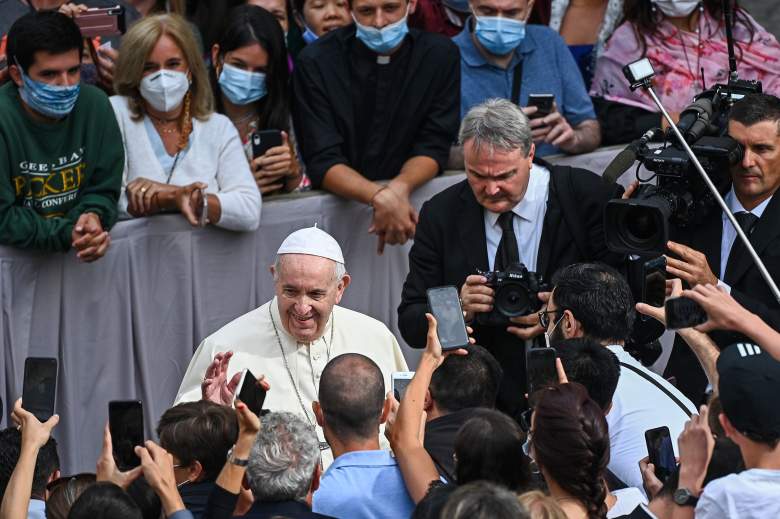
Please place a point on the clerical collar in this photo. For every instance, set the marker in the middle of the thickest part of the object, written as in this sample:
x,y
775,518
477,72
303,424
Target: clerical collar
x,y
288,337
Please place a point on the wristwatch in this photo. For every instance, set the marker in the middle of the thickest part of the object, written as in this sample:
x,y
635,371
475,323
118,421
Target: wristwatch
x,y
684,497
236,461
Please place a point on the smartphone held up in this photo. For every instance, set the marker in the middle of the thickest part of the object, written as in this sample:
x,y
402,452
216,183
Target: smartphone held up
x,y
444,303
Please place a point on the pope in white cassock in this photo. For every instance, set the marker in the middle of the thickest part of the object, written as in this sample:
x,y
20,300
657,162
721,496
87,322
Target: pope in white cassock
x,y
291,338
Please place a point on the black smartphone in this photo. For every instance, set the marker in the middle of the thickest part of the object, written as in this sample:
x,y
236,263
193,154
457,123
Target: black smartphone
x,y
682,312
126,423
543,103
444,303
540,368
654,282
661,451
39,390
251,392
104,22
264,140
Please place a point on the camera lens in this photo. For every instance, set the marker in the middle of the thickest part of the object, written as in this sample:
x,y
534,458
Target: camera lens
x,y
513,300
640,224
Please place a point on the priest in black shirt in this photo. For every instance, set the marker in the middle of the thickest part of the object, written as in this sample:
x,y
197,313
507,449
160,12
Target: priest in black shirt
x,y
377,101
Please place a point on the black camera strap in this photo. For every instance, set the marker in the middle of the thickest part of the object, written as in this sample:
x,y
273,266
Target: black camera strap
x,y
659,386
517,80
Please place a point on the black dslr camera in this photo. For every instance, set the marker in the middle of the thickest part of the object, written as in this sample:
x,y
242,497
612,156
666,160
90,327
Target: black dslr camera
x,y
516,294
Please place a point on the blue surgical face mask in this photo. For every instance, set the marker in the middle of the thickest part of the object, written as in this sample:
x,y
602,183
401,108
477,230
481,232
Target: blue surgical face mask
x,y
240,86
383,40
499,35
48,100
309,36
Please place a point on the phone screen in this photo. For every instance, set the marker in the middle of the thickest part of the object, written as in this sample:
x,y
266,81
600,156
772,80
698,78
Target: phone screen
x,y
126,423
252,393
445,307
661,451
400,383
682,312
40,386
540,368
654,282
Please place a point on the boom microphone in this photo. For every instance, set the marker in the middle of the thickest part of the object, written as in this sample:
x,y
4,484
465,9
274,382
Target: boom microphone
x,y
626,158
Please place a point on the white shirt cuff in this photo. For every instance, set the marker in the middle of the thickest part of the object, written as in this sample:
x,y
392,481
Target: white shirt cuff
x,y
725,287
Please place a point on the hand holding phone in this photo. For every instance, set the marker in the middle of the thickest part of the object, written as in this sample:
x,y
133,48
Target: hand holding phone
x,y
40,386
661,451
544,103
682,312
444,303
264,140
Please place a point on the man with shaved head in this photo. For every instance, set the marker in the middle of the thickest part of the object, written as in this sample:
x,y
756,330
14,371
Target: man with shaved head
x,y
363,481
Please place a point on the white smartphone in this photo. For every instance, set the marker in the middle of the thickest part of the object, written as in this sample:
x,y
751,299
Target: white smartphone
x,y
400,380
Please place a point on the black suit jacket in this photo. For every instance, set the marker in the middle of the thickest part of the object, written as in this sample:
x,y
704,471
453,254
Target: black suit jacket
x,y
747,287
450,244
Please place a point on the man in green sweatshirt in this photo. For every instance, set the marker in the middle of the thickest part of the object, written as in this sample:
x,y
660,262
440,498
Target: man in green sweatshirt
x,y
61,154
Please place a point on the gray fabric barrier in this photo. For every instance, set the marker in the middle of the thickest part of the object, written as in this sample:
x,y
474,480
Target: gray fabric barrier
x,y
125,326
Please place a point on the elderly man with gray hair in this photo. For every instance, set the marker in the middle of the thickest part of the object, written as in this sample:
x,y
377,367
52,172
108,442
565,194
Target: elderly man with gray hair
x,y
284,468
511,209
292,337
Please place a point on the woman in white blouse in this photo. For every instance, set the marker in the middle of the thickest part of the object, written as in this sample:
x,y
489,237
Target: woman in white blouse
x,y
177,149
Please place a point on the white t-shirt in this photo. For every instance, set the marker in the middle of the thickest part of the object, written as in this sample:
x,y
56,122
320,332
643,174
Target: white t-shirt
x,y
627,499
751,494
639,405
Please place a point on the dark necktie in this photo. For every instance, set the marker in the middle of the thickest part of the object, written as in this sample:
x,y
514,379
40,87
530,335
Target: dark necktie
x,y
507,253
746,220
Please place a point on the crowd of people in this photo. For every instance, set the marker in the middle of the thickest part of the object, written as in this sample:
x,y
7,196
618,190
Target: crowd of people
x,y
205,108
369,112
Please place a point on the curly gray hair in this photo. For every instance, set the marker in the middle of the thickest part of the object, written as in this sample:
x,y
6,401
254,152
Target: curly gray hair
x,y
281,465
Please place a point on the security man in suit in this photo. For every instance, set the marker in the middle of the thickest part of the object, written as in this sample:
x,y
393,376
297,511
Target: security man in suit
x,y
510,209
714,253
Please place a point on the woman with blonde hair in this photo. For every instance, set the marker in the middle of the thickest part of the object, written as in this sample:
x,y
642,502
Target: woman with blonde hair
x,y
180,155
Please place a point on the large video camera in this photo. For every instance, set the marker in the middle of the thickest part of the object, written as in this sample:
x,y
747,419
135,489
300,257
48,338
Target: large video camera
x,y
516,293
681,197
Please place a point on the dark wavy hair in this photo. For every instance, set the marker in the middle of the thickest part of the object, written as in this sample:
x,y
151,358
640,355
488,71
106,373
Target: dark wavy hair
x,y
570,444
248,24
645,20
489,446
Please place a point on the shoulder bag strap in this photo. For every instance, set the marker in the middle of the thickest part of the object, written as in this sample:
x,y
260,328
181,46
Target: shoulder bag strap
x,y
659,386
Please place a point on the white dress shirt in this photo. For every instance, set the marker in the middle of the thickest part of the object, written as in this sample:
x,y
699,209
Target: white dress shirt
x,y
528,224
729,235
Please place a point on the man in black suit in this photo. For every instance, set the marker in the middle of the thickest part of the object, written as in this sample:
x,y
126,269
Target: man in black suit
x,y
553,217
715,255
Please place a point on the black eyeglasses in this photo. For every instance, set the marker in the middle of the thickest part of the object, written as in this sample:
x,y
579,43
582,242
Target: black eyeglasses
x,y
544,317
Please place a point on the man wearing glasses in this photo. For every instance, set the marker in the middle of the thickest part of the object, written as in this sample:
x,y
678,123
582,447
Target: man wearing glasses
x,y
510,210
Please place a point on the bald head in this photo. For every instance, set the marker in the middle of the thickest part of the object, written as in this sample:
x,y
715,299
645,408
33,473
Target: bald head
x,y
352,395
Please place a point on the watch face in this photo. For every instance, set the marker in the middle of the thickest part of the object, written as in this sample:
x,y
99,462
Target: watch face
x,y
683,497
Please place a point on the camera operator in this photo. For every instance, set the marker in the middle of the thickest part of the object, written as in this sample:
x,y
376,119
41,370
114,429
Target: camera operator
x,y
553,217
714,254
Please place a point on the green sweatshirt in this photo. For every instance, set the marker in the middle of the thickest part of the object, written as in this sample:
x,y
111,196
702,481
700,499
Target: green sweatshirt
x,y
50,174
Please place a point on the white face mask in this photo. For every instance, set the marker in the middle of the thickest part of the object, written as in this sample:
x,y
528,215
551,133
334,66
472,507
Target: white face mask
x,y
164,90
676,8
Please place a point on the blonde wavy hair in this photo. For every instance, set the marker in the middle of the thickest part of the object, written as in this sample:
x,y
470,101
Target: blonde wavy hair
x,y
138,43
541,506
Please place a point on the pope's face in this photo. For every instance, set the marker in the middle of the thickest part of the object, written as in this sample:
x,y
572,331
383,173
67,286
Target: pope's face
x,y
306,290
